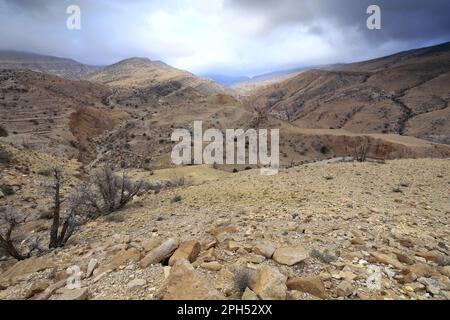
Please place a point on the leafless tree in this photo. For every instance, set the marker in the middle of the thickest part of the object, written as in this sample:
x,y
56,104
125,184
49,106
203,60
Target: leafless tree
x,y
61,229
9,221
362,149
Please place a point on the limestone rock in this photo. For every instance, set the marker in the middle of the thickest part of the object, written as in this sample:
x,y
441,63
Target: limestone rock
x,y
36,287
290,255
184,283
160,253
312,285
387,259
249,295
122,258
93,263
344,289
136,284
269,283
212,266
188,250
25,267
76,294
265,249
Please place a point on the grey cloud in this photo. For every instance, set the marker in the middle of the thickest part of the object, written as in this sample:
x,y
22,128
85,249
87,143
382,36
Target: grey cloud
x,y
401,20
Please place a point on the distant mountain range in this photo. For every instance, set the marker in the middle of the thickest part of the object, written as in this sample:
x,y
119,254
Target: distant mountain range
x,y
126,112
62,67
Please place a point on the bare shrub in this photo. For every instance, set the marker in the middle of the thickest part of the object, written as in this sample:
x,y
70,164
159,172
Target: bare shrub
x,y
361,149
176,182
3,132
323,256
109,193
5,157
9,220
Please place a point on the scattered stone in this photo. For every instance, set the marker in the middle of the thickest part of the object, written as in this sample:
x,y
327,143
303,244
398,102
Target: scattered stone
x,y
76,294
151,244
432,286
389,260
290,255
159,254
122,258
233,245
188,250
136,284
269,283
36,287
50,290
212,266
22,268
184,283
249,295
93,263
265,249
344,289
422,270
312,285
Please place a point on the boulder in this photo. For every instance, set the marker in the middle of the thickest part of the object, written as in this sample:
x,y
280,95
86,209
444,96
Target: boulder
x,y
422,270
25,267
184,283
188,250
160,253
290,255
389,260
312,285
249,295
150,244
212,266
93,263
265,249
36,287
122,258
344,289
269,283
76,294
136,284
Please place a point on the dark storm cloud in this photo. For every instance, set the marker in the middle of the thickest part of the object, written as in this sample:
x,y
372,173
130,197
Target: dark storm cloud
x,y
234,37
402,20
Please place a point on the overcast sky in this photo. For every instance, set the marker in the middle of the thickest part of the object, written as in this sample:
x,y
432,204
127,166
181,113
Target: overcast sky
x,y
232,37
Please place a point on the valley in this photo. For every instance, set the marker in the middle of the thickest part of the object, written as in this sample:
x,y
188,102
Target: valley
x,y
361,194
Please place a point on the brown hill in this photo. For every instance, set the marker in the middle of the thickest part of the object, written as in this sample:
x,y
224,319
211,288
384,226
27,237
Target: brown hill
x,y
142,73
65,68
42,111
407,93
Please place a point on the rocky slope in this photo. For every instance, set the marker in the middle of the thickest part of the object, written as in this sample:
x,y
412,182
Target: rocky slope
x,y
45,112
406,93
62,67
318,231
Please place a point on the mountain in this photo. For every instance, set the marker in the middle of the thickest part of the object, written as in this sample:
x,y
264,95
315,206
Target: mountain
x,y
247,87
406,93
65,68
54,115
227,80
139,73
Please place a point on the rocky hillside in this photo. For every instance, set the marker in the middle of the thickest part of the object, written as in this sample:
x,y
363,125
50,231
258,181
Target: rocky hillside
x,y
146,75
321,231
407,93
62,67
45,112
